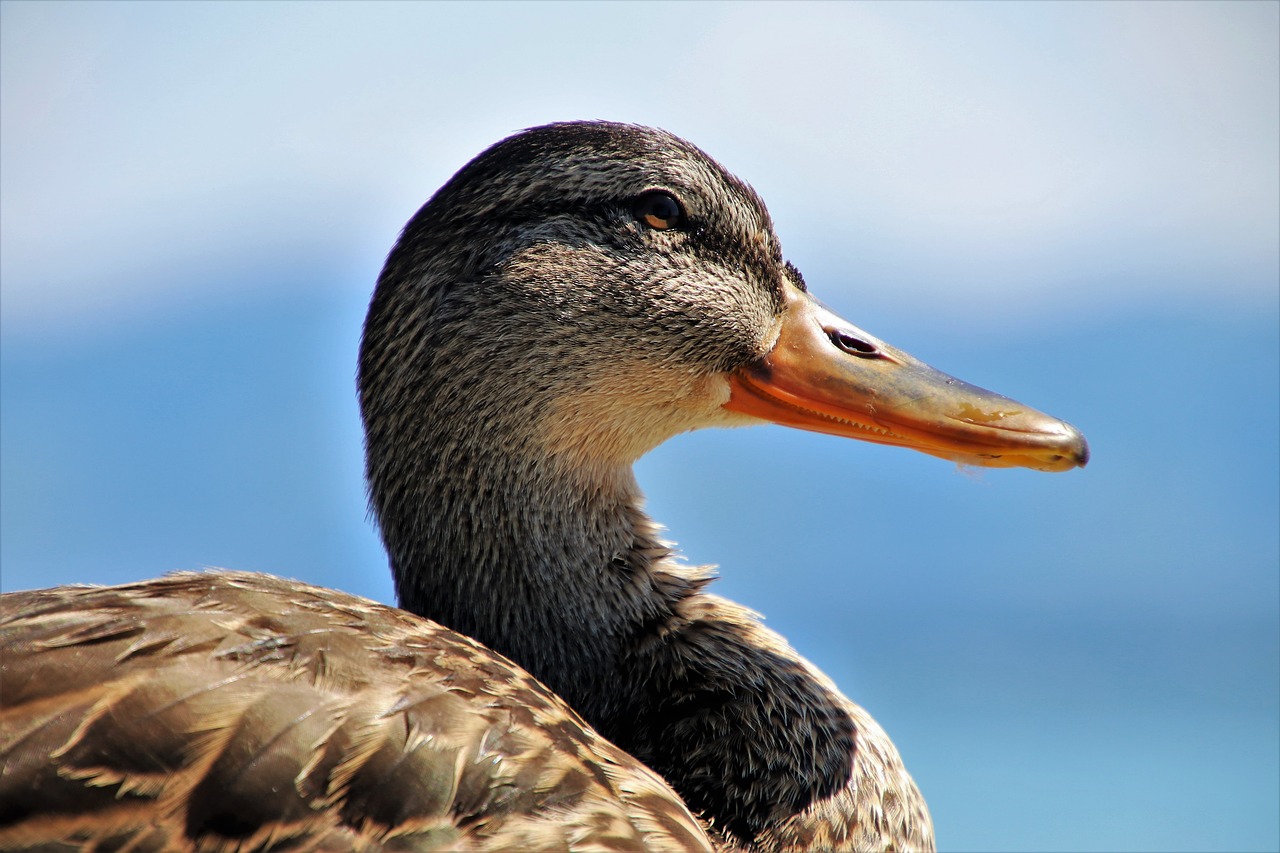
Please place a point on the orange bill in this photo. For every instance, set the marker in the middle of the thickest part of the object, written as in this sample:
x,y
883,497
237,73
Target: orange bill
x,y
826,375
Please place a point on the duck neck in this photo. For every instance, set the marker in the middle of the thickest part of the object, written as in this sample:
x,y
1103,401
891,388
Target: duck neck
x,y
551,568
563,572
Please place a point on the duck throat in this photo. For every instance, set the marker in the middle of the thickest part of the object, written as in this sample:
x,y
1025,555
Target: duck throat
x,y
547,566
562,571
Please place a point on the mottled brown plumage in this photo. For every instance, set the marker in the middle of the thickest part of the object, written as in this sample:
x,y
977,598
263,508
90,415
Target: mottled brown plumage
x,y
234,711
574,296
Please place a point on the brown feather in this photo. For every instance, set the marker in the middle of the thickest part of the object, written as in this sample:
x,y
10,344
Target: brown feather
x,y
247,735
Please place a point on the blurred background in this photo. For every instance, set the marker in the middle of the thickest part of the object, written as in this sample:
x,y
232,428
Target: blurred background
x,y
1077,205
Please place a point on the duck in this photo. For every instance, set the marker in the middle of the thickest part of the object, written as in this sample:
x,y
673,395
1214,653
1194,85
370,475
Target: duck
x,y
555,677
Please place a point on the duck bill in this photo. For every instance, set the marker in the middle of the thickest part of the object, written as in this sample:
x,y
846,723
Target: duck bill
x,y
826,375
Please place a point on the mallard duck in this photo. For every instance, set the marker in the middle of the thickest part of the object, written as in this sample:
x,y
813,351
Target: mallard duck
x,y
555,678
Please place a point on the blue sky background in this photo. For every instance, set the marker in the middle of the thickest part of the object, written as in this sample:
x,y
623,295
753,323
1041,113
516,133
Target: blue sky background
x,y
1077,205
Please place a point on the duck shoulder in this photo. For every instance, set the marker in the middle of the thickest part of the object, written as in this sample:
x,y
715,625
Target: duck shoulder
x,y
236,711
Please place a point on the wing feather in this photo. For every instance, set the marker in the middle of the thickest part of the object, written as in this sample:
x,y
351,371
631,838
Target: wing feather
x,y
236,712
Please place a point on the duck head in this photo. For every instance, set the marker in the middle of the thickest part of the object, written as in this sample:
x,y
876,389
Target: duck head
x,y
580,292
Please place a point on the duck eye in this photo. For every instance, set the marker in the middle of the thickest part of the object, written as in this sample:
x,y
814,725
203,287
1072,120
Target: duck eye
x,y
659,210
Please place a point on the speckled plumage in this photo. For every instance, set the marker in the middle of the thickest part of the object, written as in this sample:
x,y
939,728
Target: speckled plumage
x,y
233,711
528,340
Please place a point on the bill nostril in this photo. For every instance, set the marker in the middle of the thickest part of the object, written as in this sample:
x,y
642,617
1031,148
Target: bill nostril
x,y
852,345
